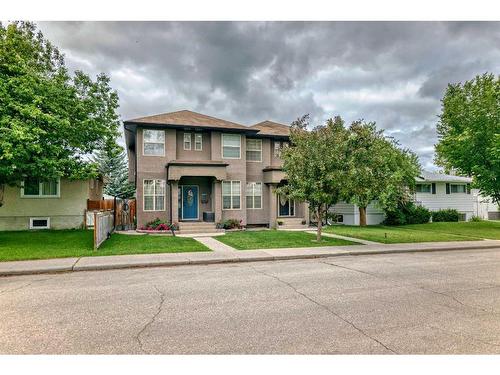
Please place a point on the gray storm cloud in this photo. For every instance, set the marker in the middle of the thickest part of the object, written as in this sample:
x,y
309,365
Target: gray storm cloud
x,y
393,73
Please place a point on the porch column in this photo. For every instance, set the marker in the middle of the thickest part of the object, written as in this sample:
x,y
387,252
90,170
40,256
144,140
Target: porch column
x,y
217,199
174,186
273,206
306,213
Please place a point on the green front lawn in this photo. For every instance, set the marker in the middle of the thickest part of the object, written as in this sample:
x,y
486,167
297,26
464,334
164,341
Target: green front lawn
x,y
77,243
431,232
271,239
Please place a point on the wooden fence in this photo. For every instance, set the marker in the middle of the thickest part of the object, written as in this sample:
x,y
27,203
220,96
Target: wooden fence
x,y
124,211
103,227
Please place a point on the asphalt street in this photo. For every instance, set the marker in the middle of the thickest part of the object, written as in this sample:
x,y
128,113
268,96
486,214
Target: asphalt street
x,y
432,303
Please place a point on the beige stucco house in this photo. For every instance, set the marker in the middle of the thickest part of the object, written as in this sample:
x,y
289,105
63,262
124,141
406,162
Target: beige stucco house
x,y
58,204
198,170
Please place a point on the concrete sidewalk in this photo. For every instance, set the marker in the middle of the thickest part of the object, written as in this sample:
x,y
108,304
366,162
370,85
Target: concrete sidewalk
x,y
196,258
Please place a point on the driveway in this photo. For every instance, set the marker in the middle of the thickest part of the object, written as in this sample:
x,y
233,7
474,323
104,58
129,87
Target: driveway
x,y
442,302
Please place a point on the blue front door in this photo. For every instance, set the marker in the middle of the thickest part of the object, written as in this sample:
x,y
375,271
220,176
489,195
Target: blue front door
x,y
189,202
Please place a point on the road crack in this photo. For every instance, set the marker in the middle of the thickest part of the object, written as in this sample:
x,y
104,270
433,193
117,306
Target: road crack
x,y
150,321
417,286
326,308
21,286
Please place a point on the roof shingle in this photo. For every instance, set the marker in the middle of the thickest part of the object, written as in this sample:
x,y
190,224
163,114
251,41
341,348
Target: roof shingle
x,y
272,128
188,118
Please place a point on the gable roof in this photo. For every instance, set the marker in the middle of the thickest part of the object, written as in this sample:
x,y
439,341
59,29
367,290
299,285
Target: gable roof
x,y
272,128
188,118
441,177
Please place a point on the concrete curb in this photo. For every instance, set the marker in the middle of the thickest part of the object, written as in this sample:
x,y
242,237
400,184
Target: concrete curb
x,y
102,263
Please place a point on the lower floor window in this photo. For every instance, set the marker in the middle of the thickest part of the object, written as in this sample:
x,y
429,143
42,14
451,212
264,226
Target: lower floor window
x,y
254,195
231,195
154,195
39,223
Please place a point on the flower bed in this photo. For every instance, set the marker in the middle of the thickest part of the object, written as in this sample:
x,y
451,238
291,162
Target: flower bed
x,y
158,226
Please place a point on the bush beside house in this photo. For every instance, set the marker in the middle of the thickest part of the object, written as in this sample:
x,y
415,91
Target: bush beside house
x,y
407,214
447,215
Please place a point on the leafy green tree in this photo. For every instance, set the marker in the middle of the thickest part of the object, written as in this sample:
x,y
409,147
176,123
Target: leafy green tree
x,y
49,120
113,167
469,132
378,169
315,165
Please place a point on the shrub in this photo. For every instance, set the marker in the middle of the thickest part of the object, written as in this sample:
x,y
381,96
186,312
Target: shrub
x,y
229,224
449,214
407,214
476,219
418,215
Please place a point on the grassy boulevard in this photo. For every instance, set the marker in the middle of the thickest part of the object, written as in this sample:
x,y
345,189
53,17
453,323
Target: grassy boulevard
x,y
76,243
270,239
431,232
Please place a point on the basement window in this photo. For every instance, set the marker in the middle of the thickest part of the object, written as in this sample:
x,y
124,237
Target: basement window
x,y
39,222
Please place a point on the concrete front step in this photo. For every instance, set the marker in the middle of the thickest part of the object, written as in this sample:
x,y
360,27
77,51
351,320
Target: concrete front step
x,y
197,227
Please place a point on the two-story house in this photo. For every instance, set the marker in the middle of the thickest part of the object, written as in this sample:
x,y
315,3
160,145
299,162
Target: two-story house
x,y
191,168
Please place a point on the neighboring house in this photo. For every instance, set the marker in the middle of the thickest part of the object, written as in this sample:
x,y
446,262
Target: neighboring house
x,y
438,191
58,204
191,168
435,191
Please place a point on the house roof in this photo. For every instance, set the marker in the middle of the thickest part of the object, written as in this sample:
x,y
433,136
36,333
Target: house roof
x,y
272,128
188,118
441,177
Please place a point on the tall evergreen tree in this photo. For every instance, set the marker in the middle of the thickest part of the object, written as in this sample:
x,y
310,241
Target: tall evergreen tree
x,y
113,167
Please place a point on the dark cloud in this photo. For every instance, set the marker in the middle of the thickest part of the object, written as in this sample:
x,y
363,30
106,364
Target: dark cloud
x,y
393,73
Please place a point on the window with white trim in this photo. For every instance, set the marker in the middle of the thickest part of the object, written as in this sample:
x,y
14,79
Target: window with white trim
x,y
153,142
254,149
187,141
423,188
231,146
154,195
278,146
254,195
458,188
39,222
36,188
231,195
198,141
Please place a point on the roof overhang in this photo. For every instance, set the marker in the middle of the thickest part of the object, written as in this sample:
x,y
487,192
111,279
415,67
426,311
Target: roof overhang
x,y
199,168
273,175
134,125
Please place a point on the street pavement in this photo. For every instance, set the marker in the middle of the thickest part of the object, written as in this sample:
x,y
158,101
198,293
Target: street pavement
x,y
432,303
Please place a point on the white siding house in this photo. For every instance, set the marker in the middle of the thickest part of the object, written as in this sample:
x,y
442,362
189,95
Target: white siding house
x,y
438,191
434,191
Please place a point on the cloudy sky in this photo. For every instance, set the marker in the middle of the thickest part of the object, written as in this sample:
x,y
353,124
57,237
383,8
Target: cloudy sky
x,y
393,73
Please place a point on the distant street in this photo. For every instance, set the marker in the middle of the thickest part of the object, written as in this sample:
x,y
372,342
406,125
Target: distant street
x,y
433,303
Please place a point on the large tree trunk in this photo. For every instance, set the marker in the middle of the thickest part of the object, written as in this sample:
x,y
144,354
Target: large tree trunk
x,y
362,216
320,223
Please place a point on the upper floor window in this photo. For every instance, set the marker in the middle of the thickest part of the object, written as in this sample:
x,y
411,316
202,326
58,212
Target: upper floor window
x,y
278,145
198,141
458,188
35,188
254,149
187,141
154,195
154,142
423,188
231,146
